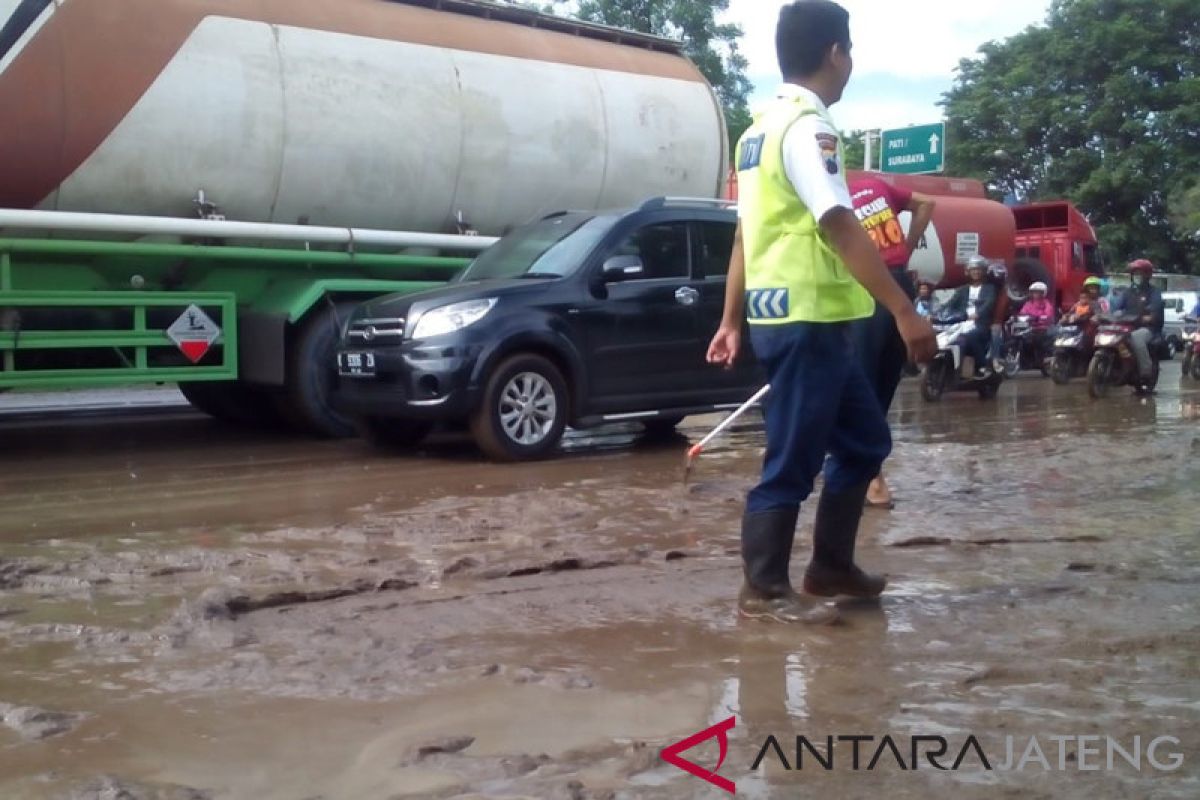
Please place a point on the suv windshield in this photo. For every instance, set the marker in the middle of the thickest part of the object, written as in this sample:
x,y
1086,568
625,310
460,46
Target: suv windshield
x,y
551,248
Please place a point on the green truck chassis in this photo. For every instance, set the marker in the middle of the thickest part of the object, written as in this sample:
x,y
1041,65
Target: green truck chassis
x,y
80,313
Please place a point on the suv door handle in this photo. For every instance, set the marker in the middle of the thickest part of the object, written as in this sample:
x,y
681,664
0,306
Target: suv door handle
x,y
686,295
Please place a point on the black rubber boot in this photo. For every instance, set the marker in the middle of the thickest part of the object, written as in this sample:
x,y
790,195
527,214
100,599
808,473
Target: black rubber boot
x,y
832,571
767,592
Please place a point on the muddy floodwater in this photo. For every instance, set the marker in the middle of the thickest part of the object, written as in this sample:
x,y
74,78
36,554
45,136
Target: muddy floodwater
x,y
192,612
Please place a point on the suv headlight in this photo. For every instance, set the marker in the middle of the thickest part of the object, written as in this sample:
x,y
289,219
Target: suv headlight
x,y
451,318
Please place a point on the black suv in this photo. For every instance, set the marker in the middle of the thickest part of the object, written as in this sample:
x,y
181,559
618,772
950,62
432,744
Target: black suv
x,y
577,319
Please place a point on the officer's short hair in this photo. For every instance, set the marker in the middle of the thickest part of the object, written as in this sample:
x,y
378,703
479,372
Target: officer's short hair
x,y
806,31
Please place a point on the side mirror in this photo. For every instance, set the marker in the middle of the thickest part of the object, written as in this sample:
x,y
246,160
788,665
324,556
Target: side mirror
x,y
619,268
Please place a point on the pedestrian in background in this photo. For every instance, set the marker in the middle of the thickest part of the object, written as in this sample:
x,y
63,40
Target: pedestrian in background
x,y
878,205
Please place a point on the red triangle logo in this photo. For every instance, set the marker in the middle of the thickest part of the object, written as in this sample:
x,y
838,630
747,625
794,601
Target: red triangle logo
x,y
718,731
194,350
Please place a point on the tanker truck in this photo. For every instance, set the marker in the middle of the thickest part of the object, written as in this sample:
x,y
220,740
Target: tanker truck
x,y
1050,242
197,191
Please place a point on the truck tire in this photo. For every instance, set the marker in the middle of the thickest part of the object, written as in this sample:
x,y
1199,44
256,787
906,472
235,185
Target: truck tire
x,y
523,411
1025,272
661,427
232,401
310,375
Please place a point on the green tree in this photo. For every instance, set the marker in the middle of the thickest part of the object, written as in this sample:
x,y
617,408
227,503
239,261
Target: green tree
x,y
1185,212
1100,105
712,46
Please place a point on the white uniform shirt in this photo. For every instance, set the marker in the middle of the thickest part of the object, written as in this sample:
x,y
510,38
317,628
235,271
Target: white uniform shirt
x,y
973,299
811,160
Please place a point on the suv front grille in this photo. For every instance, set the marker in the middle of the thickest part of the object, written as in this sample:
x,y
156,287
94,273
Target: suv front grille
x,y
370,330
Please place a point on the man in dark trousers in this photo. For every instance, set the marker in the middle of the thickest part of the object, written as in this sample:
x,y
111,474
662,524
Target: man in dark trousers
x,y
977,302
878,206
802,270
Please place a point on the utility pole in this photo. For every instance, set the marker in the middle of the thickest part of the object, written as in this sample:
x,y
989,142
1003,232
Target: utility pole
x,y
868,148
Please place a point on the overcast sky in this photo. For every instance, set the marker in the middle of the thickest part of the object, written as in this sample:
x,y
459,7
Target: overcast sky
x,y
905,53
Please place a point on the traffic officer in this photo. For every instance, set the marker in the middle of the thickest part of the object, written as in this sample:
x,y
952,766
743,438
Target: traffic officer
x,y
802,270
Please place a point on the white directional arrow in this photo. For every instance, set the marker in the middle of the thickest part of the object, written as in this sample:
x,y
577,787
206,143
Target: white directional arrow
x,y
933,144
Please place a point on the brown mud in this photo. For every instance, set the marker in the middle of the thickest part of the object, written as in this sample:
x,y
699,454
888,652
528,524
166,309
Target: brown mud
x,y
192,612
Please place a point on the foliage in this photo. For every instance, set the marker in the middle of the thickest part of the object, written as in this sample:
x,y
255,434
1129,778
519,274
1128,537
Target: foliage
x,y
1100,105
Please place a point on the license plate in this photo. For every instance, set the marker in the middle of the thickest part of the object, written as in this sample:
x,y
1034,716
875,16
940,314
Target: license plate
x,y
356,364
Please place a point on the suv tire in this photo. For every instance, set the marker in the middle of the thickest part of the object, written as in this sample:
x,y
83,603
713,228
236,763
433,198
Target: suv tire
x,y
523,411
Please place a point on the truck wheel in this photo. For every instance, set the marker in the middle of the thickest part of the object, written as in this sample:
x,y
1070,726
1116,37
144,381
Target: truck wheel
x,y
231,401
311,374
386,433
523,411
1098,374
1024,273
661,427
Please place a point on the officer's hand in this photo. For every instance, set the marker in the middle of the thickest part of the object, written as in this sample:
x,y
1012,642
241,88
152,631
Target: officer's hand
x,y
918,337
725,346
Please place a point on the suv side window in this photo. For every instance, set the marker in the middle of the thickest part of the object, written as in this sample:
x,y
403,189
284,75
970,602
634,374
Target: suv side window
x,y
662,247
714,247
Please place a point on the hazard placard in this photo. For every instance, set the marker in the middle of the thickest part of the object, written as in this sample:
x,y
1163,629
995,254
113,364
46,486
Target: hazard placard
x,y
193,333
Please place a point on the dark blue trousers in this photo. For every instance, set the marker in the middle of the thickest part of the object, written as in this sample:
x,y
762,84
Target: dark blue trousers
x,y
880,346
820,405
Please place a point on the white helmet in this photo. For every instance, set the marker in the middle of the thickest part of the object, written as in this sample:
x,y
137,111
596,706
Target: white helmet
x,y
1038,286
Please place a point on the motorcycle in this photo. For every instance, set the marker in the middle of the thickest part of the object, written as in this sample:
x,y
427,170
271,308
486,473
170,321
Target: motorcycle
x,y
1074,344
1025,347
1191,348
1113,363
950,370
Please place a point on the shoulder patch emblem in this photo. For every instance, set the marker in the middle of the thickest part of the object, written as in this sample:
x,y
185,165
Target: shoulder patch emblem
x,y
827,143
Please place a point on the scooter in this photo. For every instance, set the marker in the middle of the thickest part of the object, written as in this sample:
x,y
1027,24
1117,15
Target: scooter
x,y
1191,348
950,371
1113,363
1025,347
1074,344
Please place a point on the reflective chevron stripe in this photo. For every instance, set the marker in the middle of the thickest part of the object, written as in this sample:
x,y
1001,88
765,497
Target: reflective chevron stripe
x,y
767,304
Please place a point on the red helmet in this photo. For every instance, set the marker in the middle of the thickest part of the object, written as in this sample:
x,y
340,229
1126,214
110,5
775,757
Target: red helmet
x,y
1141,265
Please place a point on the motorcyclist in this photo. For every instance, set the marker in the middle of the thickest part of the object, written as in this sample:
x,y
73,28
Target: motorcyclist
x,y
925,302
977,302
1037,307
1144,303
1088,305
1041,312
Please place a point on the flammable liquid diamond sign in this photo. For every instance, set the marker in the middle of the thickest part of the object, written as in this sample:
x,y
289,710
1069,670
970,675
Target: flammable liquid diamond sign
x,y
193,333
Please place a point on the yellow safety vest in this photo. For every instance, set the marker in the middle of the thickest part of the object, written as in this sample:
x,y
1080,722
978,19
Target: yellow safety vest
x,y
792,273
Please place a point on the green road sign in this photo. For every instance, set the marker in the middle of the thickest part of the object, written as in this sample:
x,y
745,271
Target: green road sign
x,y
915,150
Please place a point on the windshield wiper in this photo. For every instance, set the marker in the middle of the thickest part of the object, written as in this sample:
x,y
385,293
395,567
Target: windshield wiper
x,y
541,275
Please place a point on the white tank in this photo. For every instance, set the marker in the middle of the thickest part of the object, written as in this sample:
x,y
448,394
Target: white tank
x,y
365,113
